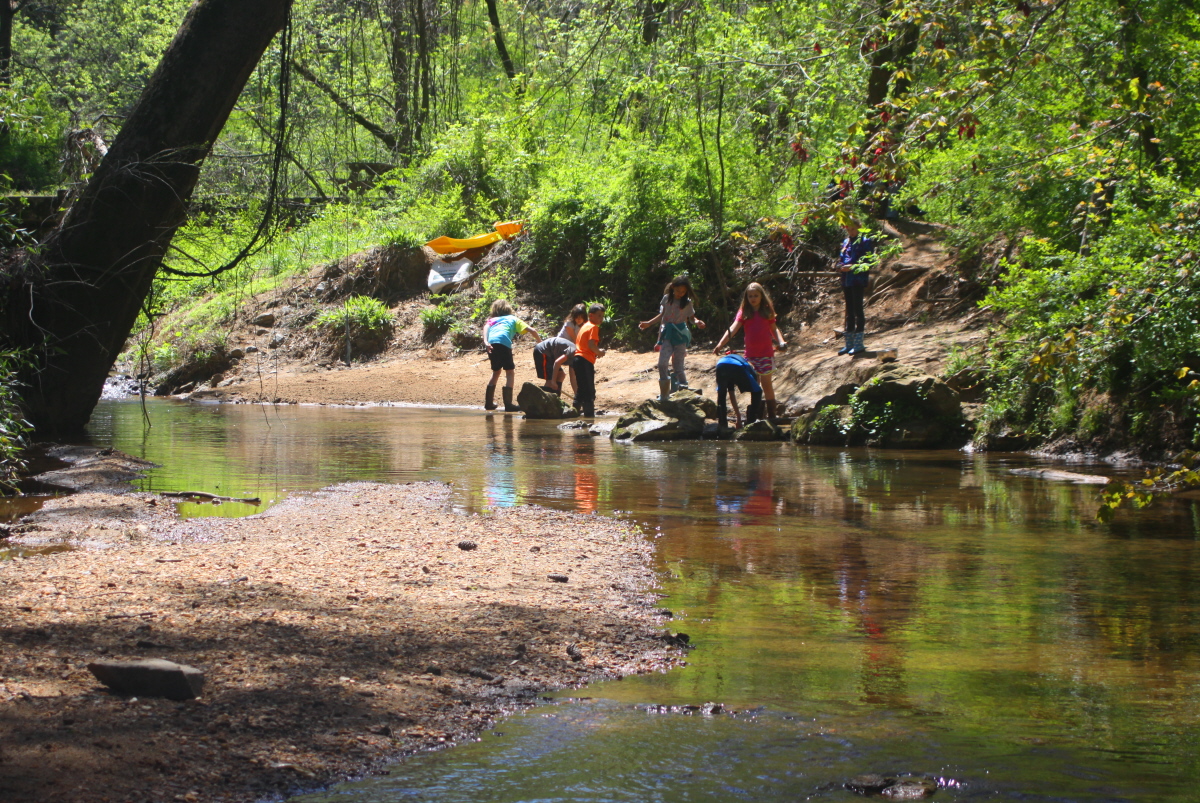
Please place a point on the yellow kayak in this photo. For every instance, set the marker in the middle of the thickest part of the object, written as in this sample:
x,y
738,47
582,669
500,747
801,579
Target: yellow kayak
x,y
449,245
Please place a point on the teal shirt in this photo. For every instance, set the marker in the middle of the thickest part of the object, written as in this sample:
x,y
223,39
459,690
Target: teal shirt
x,y
502,330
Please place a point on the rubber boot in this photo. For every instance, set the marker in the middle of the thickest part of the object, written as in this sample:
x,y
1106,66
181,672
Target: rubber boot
x,y
489,399
771,409
509,407
849,344
858,347
664,389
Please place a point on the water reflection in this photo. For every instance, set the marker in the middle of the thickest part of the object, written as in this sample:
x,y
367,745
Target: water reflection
x,y
931,610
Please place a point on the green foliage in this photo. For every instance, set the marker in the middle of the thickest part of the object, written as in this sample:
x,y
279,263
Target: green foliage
x,y
1159,482
165,356
14,429
439,318
1119,321
359,313
498,283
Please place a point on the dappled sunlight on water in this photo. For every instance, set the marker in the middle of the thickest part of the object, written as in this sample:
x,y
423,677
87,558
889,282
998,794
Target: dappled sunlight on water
x,y
882,612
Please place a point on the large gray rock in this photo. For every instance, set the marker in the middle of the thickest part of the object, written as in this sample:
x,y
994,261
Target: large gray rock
x,y
906,385
537,402
264,319
692,401
678,417
150,677
901,407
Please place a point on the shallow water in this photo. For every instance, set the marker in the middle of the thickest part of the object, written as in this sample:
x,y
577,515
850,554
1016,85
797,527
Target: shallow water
x,y
862,611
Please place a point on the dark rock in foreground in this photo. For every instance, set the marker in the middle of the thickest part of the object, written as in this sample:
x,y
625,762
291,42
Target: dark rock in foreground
x,y
151,677
537,402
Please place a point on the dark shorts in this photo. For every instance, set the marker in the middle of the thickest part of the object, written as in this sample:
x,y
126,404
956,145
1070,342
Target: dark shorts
x,y
501,358
543,363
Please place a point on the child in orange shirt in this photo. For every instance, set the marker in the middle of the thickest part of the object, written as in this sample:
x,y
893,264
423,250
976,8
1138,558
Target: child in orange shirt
x,y
587,349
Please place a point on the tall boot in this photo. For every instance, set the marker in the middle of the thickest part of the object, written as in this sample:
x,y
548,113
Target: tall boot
x,y
489,399
771,409
664,389
858,347
849,344
509,407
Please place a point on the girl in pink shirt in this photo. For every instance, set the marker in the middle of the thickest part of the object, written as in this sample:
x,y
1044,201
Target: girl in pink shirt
x,y
756,317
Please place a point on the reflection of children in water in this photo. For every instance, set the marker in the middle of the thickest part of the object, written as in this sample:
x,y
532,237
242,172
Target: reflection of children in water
x,y
759,506
587,483
500,483
880,600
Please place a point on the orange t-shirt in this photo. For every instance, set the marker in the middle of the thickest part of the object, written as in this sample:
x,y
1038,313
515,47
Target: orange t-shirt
x,y
587,333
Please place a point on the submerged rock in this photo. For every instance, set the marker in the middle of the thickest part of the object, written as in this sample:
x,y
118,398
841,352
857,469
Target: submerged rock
x,y
537,402
870,784
910,787
151,677
893,787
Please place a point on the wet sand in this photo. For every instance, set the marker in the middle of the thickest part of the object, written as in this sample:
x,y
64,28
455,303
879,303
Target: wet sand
x,y
338,631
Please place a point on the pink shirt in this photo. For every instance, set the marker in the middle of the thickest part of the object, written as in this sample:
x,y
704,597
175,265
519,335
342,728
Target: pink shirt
x,y
757,329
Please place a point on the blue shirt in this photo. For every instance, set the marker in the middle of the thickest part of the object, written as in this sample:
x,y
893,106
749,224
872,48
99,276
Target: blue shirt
x,y
852,252
738,361
502,330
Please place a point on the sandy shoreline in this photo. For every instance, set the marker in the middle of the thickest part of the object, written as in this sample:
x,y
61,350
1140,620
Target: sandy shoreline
x,y
339,630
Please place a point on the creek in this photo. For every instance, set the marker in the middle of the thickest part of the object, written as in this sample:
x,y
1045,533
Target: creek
x,y
858,611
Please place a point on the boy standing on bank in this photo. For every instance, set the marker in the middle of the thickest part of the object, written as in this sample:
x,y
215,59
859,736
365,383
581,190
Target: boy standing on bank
x,y
587,349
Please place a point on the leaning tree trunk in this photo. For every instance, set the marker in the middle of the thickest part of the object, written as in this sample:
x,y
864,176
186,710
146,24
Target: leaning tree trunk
x,y
74,304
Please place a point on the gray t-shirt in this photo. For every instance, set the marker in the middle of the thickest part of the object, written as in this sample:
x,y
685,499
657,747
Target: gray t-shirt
x,y
555,347
569,331
672,312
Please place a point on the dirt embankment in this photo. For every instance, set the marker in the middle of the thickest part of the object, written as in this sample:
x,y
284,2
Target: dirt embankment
x,y
921,305
338,631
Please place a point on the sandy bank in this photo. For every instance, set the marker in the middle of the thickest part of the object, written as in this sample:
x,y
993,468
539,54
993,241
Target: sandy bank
x,y
337,630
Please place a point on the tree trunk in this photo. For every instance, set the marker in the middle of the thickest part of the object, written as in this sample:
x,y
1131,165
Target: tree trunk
x,y
505,59
8,10
401,65
886,61
74,304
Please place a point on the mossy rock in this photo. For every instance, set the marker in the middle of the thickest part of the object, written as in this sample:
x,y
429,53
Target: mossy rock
x,y
831,425
680,417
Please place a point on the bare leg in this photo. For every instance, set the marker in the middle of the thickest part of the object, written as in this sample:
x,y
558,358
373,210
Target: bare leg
x,y
510,378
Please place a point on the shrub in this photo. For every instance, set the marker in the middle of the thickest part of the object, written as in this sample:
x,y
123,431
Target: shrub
x,y
360,313
14,429
437,319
